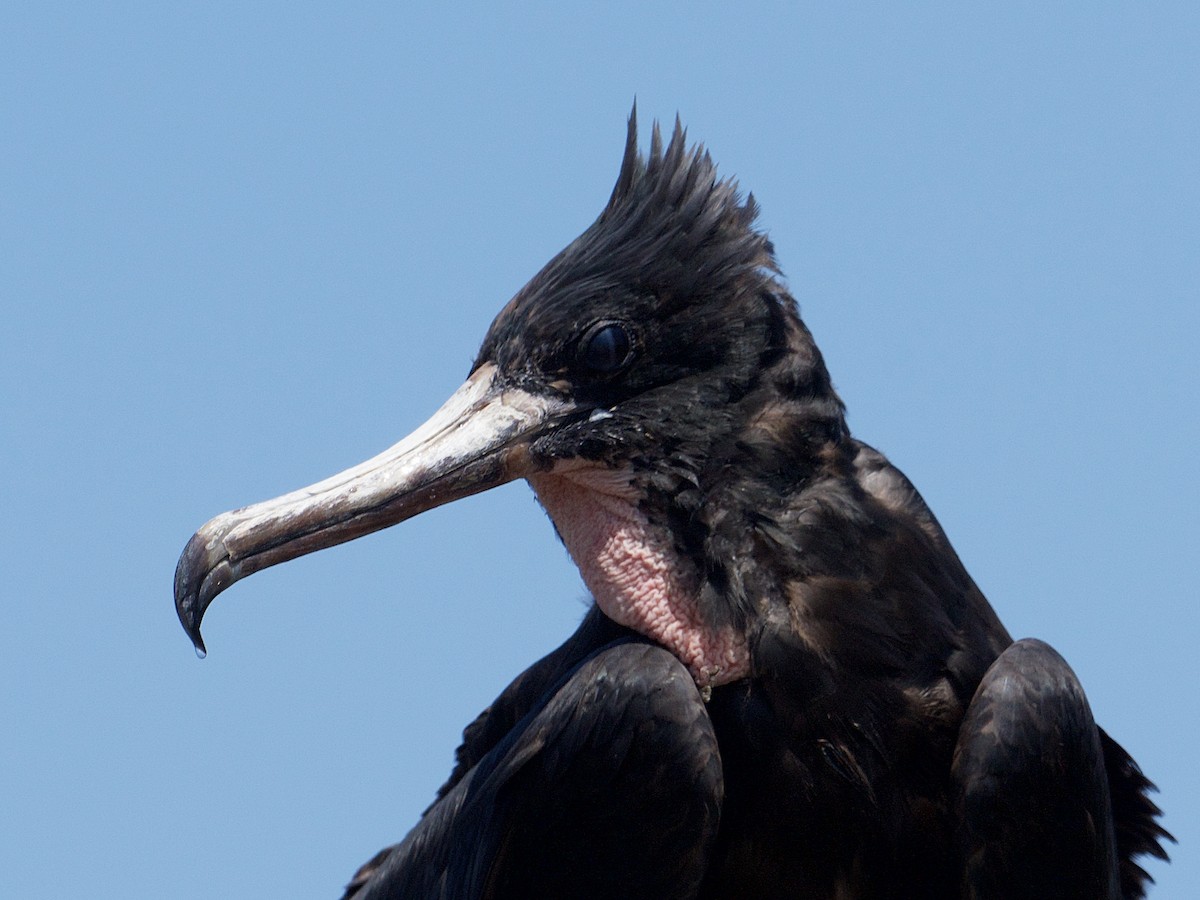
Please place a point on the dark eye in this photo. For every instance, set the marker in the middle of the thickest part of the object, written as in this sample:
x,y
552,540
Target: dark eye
x,y
605,349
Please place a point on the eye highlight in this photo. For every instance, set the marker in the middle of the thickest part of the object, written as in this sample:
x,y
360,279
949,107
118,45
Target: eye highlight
x,y
605,349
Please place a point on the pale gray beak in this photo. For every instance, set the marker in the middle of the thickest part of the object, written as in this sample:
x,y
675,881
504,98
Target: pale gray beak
x,y
477,440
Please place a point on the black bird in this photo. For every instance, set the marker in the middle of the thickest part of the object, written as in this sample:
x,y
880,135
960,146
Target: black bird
x,y
788,686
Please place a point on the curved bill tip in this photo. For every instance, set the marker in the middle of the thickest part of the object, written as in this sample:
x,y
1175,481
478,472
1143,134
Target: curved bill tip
x,y
191,575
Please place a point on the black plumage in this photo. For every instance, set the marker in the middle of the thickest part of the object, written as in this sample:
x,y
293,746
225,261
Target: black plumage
x,y
790,686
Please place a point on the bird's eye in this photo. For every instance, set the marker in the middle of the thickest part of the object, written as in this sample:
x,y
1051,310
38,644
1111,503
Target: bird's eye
x,y
605,349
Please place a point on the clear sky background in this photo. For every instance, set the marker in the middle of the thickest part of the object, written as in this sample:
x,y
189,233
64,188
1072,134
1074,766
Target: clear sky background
x,y
243,246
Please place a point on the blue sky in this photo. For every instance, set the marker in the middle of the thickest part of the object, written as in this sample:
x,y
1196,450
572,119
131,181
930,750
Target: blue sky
x,y
248,245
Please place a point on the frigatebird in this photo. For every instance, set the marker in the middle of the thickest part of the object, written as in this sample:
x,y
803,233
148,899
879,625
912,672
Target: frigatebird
x,y
788,684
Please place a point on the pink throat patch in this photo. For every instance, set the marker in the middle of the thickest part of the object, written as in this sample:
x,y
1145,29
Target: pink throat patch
x,y
632,570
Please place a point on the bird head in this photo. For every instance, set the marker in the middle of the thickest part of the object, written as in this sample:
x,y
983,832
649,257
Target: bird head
x,y
653,379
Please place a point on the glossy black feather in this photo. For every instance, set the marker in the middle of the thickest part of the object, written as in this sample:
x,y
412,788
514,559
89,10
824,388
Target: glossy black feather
x,y
608,786
1031,790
